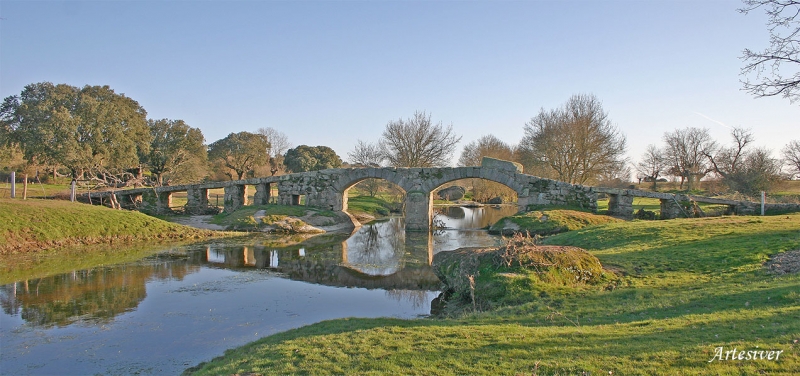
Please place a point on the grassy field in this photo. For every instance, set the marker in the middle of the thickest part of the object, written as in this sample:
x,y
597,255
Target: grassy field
x,y
44,237
685,288
51,223
552,221
374,206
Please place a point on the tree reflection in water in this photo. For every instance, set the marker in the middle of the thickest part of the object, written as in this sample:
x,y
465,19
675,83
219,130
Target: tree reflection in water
x,y
93,295
379,255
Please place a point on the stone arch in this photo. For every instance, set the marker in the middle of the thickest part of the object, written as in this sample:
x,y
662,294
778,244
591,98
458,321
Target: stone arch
x,y
359,175
504,178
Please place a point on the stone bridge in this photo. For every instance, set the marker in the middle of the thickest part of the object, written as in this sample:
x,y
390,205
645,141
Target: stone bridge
x,y
327,189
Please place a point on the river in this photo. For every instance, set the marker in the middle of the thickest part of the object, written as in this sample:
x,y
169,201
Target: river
x,y
188,304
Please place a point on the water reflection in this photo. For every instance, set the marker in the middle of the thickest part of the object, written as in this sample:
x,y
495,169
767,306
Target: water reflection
x,y
190,303
379,255
464,218
94,295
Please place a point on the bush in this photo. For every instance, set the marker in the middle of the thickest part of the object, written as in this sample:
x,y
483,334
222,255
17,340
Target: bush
x,y
489,277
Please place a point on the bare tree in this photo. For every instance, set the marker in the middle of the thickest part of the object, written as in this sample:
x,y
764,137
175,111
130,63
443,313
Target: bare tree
x,y
279,144
791,157
417,142
577,142
686,152
652,165
486,146
783,53
728,161
366,154
473,153
742,170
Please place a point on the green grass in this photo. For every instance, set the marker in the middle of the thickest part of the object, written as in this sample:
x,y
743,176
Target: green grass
x,y
685,287
654,205
45,237
374,206
243,218
553,221
51,223
38,190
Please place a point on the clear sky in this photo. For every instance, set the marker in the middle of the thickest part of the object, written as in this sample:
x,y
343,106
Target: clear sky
x,y
332,72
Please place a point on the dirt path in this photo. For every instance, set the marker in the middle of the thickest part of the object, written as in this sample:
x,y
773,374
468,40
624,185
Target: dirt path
x,y
197,221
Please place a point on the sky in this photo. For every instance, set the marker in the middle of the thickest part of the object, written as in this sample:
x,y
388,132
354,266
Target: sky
x,y
334,72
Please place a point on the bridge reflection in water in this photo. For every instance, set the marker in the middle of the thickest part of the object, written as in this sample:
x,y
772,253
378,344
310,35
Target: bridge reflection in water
x,y
378,255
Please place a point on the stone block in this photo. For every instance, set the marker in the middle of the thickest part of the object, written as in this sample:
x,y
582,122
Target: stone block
x,y
500,164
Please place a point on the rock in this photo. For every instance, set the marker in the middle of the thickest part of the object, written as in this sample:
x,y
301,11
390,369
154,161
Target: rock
x,y
294,226
505,228
495,201
452,193
500,164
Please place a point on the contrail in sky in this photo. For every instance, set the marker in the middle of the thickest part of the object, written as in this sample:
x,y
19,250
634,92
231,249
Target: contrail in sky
x,y
708,118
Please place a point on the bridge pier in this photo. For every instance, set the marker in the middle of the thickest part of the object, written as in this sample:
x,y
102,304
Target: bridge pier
x,y
419,210
262,195
235,196
159,202
129,201
670,209
620,205
196,200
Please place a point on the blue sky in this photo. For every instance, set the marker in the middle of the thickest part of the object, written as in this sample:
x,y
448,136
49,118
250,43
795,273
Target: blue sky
x,y
332,72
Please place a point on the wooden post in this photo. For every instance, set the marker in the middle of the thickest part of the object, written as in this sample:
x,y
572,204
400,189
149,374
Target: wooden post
x,y
72,191
763,199
13,184
25,187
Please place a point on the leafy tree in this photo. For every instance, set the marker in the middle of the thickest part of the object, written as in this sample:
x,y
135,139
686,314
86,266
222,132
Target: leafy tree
x,y
686,152
791,156
240,153
486,146
782,55
652,165
417,142
279,145
576,143
92,129
311,158
175,147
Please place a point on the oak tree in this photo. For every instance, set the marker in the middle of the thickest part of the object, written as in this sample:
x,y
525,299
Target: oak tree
x,y
92,129
240,153
177,149
311,158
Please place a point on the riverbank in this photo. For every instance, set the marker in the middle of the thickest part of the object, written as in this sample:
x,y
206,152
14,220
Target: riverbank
x,y
684,289
32,225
